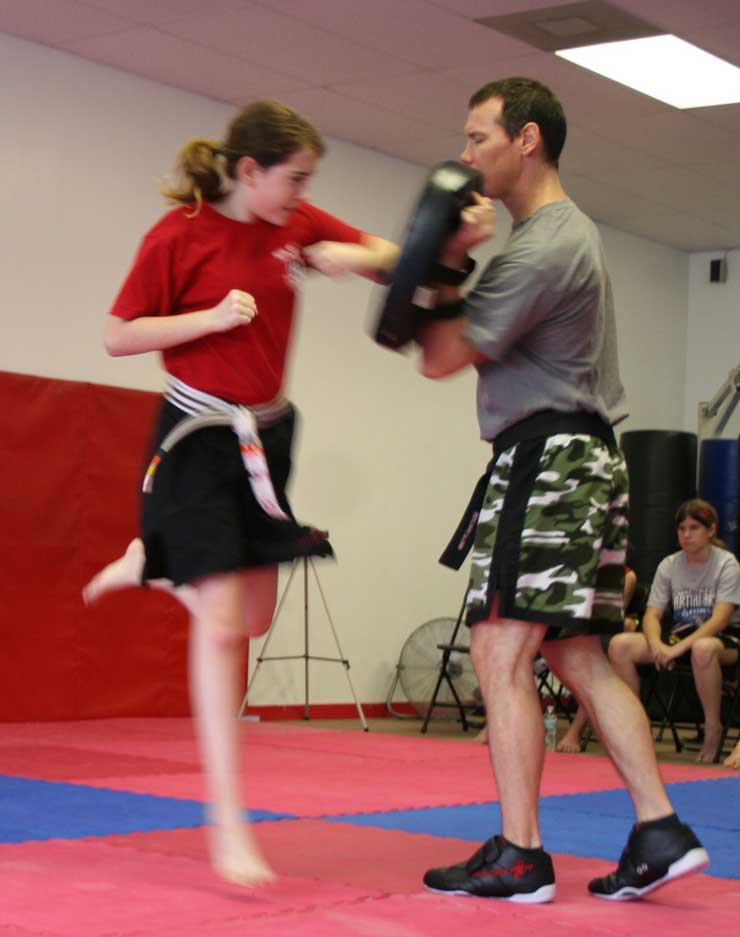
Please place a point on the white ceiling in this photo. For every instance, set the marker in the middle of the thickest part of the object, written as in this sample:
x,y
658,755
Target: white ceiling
x,y
395,75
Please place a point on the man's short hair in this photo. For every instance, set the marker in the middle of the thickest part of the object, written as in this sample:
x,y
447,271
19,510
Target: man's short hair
x,y
526,100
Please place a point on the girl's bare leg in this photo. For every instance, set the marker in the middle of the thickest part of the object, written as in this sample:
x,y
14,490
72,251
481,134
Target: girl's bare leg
x,y
122,573
125,573
626,651
217,656
571,741
707,656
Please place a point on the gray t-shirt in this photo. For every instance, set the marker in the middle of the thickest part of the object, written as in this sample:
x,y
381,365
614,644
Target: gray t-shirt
x,y
543,313
693,591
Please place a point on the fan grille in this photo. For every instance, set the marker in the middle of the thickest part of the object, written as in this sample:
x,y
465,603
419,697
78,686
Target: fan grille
x,y
419,666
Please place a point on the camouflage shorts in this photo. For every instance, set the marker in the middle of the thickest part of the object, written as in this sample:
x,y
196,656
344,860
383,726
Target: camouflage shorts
x,y
552,535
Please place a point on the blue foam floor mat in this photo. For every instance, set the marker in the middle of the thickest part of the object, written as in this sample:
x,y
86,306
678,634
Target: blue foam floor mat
x,y
38,810
594,825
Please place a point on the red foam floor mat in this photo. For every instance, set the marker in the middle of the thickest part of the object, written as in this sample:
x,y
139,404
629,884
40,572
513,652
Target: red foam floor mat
x,y
159,757
335,880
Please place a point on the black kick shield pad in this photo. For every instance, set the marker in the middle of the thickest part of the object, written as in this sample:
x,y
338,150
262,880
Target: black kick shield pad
x,y
436,216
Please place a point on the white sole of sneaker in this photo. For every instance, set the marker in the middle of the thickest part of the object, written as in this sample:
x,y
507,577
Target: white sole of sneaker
x,y
543,894
694,861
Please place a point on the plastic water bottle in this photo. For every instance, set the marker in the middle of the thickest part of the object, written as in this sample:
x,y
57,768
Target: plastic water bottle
x,y
551,729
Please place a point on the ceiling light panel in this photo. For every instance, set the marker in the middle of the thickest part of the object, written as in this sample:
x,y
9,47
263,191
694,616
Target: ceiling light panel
x,y
663,67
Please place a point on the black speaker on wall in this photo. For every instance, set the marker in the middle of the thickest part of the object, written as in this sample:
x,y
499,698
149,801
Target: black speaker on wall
x,y
662,469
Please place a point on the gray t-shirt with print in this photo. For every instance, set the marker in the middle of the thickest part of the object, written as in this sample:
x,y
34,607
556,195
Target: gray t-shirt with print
x,y
693,591
543,313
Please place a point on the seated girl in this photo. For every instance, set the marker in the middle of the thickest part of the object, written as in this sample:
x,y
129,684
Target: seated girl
x,y
701,583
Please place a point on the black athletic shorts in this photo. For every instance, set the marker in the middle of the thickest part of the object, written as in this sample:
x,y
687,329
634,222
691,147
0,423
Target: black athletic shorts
x,y
548,528
202,517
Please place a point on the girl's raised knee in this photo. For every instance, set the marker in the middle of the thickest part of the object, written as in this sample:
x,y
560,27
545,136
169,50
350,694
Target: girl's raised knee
x,y
256,628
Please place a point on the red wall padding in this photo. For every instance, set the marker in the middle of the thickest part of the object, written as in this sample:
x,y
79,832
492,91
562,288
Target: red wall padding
x,y
71,462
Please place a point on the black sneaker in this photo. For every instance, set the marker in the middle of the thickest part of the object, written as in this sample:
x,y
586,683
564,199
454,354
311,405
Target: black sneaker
x,y
498,870
651,858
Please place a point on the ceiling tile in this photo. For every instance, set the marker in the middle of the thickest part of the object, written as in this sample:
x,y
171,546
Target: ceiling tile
x,y
590,153
688,19
628,211
727,117
51,21
702,234
439,101
159,12
477,9
285,45
676,136
421,33
603,200
584,94
653,224
695,191
723,173
357,121
724,42
428,152
395,76
169,60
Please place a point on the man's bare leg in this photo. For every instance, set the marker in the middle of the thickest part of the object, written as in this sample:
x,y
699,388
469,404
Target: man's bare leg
x,y
660,849
503,653
512,866
618,716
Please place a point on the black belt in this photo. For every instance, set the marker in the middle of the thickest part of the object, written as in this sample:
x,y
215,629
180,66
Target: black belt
x,y
552,422
542,423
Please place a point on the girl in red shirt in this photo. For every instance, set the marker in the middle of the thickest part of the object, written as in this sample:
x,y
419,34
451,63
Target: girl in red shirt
x,y
213,288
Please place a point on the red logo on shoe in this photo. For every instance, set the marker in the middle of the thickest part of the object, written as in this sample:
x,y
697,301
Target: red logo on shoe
x,y
518,870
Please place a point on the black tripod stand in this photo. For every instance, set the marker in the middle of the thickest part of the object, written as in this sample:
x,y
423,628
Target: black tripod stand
x,y
305,561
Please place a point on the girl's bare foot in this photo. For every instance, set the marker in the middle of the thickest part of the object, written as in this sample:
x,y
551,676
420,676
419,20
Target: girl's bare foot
x,y
120,574
237,858
712,735
733,759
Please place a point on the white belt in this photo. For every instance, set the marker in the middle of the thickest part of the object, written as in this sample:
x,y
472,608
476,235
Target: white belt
x,y
206,410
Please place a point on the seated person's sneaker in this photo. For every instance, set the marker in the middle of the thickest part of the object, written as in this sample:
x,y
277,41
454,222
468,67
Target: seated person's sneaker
x,y
656,853
498,870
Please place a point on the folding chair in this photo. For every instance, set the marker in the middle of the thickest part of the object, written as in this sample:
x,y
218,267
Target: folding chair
x,y
662,686
669,691
449,648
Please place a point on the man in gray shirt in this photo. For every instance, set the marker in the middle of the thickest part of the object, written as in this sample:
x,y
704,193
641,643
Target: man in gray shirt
x,y
549,545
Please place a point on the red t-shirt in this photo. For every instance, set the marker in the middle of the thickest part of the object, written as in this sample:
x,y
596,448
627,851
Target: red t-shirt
x,y
186,264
